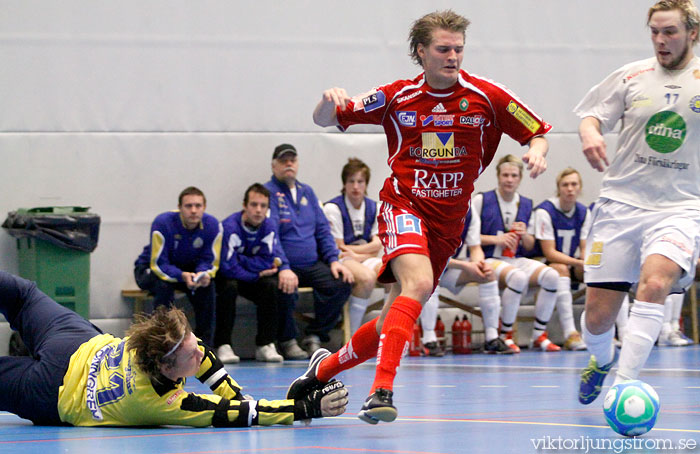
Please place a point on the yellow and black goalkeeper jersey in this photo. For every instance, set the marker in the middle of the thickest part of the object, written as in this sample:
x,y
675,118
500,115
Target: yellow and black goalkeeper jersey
x,y
103,386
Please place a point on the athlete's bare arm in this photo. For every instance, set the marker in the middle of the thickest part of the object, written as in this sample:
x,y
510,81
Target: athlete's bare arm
x,y
324,113
535,156
593,143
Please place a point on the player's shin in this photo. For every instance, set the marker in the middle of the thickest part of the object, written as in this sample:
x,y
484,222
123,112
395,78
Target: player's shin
x,y
394,338
642,330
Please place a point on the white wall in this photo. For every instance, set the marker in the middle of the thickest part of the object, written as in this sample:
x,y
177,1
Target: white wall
x,y
120,105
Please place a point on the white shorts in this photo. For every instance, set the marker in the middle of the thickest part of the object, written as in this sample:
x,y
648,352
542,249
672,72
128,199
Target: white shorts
x,y
370,263
529,266
623,236
449,278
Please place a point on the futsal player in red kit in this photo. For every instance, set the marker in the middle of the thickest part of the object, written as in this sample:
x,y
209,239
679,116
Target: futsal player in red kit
x,y
442,129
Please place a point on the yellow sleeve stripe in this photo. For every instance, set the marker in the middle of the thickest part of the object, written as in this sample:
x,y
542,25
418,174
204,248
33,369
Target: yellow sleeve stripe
x,y
157,248
216,250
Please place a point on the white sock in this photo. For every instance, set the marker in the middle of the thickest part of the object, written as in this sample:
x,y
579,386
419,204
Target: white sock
x,y
490,304
677,308
666,327
642,330
428,336
428,317
356,309
622,318
546,299
516,285
565,307
668,309
600,345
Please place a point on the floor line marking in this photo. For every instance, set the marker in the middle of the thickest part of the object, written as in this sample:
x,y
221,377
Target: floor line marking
x,y
298,448
531,423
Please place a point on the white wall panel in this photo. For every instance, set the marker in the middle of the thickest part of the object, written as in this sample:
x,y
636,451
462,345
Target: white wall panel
x,y
177,65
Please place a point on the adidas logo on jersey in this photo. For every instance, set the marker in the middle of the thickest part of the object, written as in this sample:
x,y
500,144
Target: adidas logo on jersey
x,y
439,109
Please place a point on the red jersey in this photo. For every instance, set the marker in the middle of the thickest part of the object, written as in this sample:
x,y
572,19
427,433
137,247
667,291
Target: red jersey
x,y
441,140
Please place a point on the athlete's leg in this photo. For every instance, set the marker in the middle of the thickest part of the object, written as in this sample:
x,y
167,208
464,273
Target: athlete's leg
x,y
602,306
490,304
417,280
203,301
669,335
676,310
226,294
362,345
365,279
428,317
330,294
658,276
601,309
415,277
515,283
564,303
622,318
547,279
163,292
52,333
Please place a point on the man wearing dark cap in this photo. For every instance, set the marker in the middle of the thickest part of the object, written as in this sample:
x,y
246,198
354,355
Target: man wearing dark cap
x,y
311,256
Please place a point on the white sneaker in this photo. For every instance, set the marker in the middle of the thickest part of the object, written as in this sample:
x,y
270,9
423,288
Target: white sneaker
x,y
226,355
672,339
311,343
688,341
291,350
268,354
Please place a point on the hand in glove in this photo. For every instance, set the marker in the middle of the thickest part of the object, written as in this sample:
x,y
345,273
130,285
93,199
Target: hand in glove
x,y
327,400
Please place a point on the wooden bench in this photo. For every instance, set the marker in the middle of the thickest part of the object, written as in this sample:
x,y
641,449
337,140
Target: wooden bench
x,y
140,298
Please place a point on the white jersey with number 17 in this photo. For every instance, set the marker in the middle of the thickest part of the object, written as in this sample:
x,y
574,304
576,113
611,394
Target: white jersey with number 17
x,y
657,163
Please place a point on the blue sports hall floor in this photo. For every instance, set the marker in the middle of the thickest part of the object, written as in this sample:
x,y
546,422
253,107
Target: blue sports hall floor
x,y
457,404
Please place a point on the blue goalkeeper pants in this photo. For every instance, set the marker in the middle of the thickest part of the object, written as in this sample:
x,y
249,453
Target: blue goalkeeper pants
x,y
52,333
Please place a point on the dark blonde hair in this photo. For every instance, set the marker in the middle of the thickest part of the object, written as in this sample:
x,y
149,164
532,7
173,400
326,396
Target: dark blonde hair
x,y
510,159
689,13
154,337
353,166
565,173
422,29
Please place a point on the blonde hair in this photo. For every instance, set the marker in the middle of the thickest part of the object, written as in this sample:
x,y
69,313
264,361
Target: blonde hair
x,y
156,337
512,160
422,29
565,173
689,13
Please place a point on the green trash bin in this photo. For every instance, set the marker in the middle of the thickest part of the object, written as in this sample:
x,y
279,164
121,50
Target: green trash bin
x,y
53,247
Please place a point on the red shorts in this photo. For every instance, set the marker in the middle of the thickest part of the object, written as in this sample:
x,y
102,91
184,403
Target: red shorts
x,y
405,232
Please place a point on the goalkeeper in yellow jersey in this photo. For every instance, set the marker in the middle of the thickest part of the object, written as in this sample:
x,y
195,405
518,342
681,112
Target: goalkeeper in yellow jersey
x,y
79,376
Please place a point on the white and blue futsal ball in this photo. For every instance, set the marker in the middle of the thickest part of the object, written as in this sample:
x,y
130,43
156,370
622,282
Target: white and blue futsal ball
x,y
631,407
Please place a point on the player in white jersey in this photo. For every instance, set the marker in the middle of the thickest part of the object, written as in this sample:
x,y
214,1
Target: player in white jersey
x,y
646,223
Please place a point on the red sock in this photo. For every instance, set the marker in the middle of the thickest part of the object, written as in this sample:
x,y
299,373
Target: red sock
x,y
394,339
362,346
